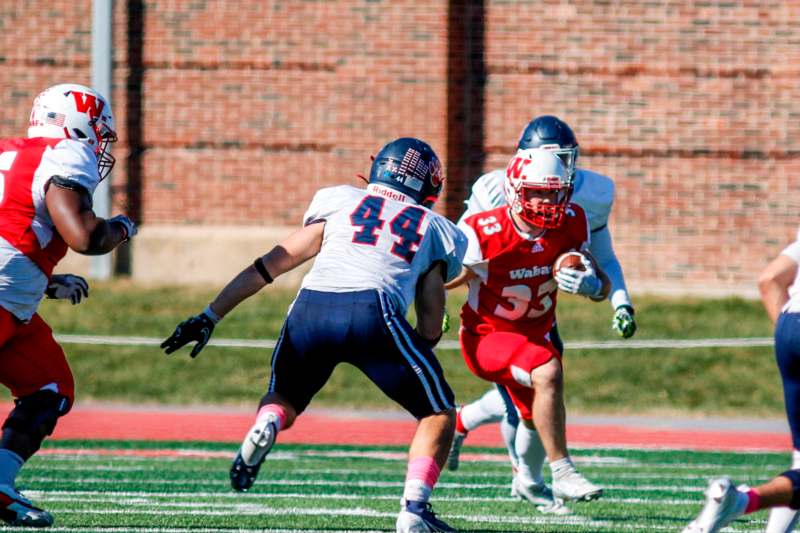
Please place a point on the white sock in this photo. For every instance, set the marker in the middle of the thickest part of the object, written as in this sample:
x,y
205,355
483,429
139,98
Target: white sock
x,y
783,519
487,409
531,456
509,433
562,467
10,463
416,490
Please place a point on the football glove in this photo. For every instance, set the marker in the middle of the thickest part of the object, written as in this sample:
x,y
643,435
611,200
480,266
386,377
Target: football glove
x,y
197,328
64,286
583,282
127,225
623,322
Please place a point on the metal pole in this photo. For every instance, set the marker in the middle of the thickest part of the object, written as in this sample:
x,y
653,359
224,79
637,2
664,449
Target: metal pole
x,y
102,21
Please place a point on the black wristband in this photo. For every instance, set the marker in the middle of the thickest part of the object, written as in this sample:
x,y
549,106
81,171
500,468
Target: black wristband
x,y
261,269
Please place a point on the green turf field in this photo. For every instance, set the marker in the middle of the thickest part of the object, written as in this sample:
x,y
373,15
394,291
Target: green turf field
x,y
327,488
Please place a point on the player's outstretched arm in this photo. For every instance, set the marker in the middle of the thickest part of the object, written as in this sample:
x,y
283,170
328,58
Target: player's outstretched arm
x,y
429,303
83,231
296,249
602,249
774,283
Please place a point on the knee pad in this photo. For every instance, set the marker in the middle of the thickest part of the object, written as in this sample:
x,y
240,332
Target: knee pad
x,y
794,477
36,415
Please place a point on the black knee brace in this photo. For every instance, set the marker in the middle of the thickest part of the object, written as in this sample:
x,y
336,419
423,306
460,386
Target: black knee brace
x,y
794,477
35,416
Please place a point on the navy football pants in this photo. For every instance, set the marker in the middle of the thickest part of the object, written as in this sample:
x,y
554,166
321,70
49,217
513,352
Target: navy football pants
x,y
787,353
362,328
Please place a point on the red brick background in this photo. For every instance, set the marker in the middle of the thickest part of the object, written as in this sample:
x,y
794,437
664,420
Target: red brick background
x,y
236,112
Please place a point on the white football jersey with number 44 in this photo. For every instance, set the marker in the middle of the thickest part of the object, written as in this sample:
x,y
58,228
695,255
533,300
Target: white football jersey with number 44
x,y
374,241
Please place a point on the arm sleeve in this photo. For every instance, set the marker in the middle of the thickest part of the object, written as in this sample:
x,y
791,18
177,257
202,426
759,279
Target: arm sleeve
x,y
793,251
603,250
74,163
473,258
450,245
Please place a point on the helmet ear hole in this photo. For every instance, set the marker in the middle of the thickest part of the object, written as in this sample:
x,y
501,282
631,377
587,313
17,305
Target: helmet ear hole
x,y
79,133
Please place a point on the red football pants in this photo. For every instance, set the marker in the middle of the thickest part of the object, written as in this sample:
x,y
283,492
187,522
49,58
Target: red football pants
x,y
508,359
31,359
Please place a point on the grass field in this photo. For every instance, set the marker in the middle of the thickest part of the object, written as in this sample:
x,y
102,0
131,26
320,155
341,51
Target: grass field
x,y
736,380
183,487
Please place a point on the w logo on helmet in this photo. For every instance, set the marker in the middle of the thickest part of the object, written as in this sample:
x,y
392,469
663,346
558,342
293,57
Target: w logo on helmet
x,y
516,166
88,103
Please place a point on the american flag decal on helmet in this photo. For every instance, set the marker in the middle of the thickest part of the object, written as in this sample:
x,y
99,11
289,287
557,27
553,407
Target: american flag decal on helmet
x,y
55,118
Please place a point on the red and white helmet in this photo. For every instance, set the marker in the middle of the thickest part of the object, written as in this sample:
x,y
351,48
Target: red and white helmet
x,y
77,112
538,170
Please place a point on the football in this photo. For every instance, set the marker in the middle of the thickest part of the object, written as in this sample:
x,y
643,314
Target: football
x,y
572,260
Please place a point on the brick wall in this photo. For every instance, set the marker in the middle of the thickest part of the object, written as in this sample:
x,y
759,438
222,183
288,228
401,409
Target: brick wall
x,y
236,112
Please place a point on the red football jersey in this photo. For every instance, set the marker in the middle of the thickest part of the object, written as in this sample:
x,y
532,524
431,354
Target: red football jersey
x,y
30,246
515,289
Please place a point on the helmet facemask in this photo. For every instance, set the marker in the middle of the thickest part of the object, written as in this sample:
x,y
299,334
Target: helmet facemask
x,y
543,206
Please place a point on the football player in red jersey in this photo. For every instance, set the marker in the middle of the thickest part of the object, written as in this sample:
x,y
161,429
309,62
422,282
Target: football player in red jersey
x,y
46,186
511,308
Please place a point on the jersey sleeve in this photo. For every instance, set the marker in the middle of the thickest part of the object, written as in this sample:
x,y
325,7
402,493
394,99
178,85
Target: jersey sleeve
x,y
580,232
595,194
326,202
487,193
793,250
473,258
449,245
74,162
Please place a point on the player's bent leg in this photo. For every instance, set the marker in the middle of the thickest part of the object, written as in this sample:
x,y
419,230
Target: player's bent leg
x,y
427,455
783,519
274,414
489,408
33,418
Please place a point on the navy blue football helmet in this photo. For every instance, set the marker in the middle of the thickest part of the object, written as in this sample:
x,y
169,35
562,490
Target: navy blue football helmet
x,y
411,167
554,135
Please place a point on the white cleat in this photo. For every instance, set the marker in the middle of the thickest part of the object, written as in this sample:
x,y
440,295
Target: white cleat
x,y
254,449
453,457
723,505
16,510
541,497
576,488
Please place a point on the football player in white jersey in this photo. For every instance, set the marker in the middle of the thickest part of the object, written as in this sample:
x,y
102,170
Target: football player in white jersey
x,y
595,194
376,250
779,285
46,186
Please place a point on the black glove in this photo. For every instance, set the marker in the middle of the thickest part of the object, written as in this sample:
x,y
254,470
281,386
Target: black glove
x,y
197,328
63,286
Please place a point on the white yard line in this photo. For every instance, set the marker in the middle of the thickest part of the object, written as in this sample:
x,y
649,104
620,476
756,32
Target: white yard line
x,y
735,342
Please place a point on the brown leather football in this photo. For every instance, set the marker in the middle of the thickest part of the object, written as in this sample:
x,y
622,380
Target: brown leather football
x,y
570,260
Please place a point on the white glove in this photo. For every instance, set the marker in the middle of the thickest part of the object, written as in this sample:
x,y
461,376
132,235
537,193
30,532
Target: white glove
x,y
127,223
64,286
583,282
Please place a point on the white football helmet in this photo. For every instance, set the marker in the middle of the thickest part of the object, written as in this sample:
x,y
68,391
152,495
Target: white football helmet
x,y
538,171
77,112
